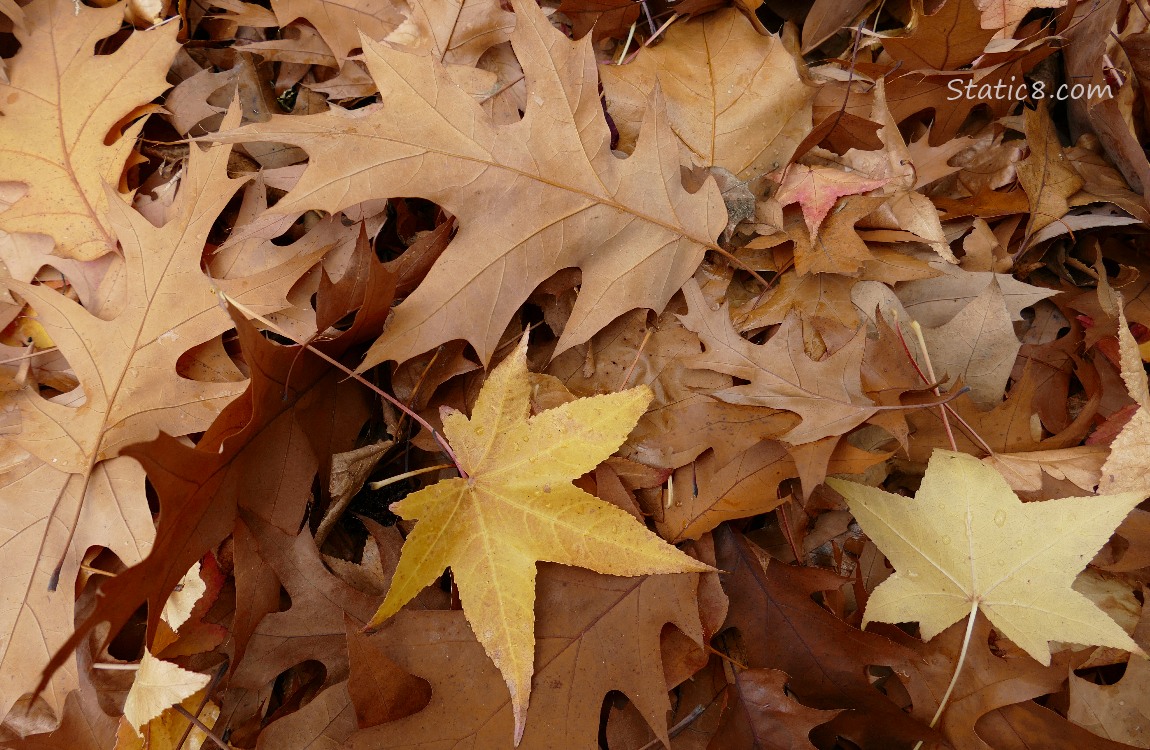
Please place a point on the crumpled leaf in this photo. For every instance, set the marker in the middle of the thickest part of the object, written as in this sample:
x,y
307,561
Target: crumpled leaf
x,y
816,189
966,539
517,506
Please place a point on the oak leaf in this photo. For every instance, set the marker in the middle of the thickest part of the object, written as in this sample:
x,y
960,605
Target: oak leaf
x,y
781,627
575,198
594,634
827,394
967,542
63,105
73,476
516,506
765,715
735,97
948,39
261,455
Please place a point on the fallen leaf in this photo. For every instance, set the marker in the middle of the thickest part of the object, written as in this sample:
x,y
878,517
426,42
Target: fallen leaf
x,y
766,715
816,189
158,686
827,394
63,109
734,97
583,195
515,507
1047,176
966,543
947,39
594,634
977,345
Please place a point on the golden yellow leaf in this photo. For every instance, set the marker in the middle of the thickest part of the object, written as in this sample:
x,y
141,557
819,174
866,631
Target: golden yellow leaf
x,y
166,731
516,507
966,540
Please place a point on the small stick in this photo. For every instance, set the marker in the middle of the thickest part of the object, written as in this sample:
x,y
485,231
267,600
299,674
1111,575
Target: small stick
x,y
787,532
114,666
930,372
695,713
29,355
202,726
638,353
225,297
627,44
97,571
970,431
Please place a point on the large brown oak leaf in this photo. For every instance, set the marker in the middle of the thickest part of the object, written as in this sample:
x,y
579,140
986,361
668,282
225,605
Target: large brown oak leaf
x,y
532,198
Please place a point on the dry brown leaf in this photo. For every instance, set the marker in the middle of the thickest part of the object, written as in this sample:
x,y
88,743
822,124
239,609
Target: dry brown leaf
x,y
948,39
448,150
1047,176
734,97
827,394
1081,465
977,345
130,389
63,106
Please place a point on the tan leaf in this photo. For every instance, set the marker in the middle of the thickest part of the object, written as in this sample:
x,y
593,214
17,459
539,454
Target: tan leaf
x,y
816,189
977,345
577,198
179,606
1081,465
61,108
827,394
734,96
1047,176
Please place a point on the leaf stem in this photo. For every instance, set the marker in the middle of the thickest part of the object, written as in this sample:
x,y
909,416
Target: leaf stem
x,y
406,475
933,379
970,431
352,374
957,667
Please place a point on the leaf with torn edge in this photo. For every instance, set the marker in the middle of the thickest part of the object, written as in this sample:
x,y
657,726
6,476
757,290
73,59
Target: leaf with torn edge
x,y
517,507
966,541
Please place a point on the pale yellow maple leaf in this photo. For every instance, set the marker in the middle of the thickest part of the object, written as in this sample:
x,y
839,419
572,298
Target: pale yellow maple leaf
x,y
1125,468
516,507
966,543
158,686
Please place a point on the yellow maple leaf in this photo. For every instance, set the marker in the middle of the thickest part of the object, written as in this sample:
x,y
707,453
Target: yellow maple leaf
x,y
516,507
967,544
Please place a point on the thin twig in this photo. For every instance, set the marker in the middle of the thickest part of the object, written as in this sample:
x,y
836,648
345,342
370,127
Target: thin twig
x,y
225,297
970,431
29,355
202,726
695,713
787,532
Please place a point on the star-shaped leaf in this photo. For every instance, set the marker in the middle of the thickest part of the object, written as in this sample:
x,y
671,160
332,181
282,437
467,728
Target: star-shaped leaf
x,y
516,507
966,539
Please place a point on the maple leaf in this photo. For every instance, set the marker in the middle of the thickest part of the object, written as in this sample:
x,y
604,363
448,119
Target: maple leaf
x,y
62,105
816,189
575,198
734,96
827,394
516,507
966,542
